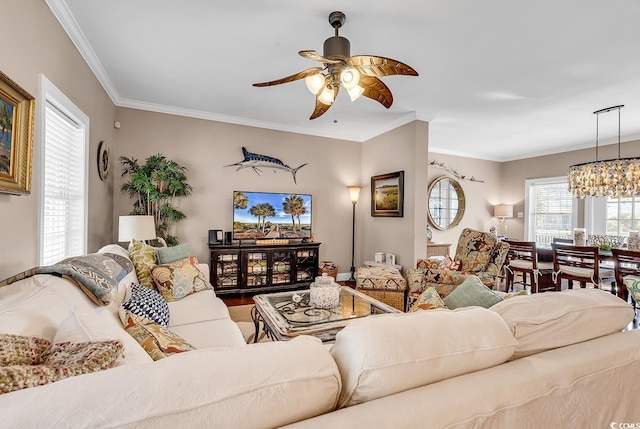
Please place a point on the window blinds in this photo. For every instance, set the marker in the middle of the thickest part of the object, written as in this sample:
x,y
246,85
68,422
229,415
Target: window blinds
x,y
63,231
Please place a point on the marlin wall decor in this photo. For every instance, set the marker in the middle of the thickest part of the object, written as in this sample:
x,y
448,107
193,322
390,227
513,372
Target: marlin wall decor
x,y
255,161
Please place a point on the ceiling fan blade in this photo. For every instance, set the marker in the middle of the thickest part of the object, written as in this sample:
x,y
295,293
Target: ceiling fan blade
x,y
375,89
313,55
370,65
293,77
321,108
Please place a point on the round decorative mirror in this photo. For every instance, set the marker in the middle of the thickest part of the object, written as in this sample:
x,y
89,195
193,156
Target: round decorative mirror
x,y
446,203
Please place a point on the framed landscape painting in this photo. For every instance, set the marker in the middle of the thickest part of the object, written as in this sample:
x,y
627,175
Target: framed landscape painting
x,y
387,194
17,109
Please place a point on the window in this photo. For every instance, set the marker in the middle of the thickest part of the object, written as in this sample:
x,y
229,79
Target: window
x,y
63,196
612,216
550,209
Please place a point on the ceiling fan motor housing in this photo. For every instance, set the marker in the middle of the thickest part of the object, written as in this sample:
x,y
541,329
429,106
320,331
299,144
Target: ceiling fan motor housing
x,y
337,48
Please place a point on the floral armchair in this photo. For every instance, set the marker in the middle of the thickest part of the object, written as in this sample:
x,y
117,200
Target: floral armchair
x,y
477,253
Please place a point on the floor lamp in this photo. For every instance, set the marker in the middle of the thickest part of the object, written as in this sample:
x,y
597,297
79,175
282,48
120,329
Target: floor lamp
x,y
354,191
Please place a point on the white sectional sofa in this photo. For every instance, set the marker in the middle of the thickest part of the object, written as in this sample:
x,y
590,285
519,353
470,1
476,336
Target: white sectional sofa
x,y
509,366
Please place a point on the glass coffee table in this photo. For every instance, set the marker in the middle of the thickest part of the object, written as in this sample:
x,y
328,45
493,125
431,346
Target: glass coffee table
x,y
285,315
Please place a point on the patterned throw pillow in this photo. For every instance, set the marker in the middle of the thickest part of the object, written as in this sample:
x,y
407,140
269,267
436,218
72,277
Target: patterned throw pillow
x,y
146,303
428,300
143,257
65,360
22,350
179,279
471,292
158,341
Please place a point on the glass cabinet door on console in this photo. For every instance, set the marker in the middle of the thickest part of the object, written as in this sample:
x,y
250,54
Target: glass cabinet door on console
x,y
225,269
282,267
306,265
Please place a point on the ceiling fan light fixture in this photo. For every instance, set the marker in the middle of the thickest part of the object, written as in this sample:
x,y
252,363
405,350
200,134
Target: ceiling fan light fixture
x,y
315,82
355,92
349,77
326,96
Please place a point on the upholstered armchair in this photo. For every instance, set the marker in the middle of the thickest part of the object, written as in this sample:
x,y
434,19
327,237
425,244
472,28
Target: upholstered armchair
x,y
477,253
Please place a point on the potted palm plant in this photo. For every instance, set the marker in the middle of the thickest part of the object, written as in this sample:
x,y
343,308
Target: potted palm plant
x,y
154,186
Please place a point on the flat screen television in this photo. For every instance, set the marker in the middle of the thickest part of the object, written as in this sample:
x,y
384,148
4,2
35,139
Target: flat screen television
x,y
267,215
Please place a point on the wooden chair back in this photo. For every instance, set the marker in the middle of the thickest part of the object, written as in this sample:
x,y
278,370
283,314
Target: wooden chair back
x,y
626,262
523,258
579,263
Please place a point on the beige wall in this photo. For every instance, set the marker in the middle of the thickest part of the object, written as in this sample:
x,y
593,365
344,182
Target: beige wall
x,y
206,147
403,149
39,45
480,197
516,172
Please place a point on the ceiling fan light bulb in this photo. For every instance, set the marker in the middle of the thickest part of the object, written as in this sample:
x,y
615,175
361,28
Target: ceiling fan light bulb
x,y
315,82
355,92
349,77
326,96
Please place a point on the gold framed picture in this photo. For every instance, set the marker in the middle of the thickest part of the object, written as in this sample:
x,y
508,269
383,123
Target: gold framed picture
x,y
387,195
17,109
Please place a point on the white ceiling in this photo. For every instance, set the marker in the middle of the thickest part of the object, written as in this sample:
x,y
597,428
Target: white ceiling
x,y
499,79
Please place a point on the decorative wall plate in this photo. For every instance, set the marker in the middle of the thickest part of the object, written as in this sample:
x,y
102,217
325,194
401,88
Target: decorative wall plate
x,y
104,158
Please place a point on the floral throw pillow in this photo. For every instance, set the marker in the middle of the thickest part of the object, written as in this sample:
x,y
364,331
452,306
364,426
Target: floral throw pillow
x,y
158,341
143,257
428,300
179,279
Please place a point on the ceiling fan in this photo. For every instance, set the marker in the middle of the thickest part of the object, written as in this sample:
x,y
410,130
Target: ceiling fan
x,y
358,74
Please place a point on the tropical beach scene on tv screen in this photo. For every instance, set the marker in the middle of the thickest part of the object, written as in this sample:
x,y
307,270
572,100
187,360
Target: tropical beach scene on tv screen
x,y
265,215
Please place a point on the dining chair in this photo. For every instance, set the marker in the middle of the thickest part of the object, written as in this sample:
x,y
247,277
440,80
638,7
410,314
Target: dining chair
x,y
523,258
578,263
627,271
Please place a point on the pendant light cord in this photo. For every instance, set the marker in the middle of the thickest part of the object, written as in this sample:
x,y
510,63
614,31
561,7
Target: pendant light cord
x,y
605,110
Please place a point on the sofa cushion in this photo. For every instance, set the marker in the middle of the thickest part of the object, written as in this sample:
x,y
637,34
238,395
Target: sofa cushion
x,y
197,307
166,255
179,279
158,341
146,303
428,300
211,333
544,321
22,350
64,360
385,354
471,292
143,257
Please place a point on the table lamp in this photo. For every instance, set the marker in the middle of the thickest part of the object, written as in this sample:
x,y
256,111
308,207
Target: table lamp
x,y
136,227
502,211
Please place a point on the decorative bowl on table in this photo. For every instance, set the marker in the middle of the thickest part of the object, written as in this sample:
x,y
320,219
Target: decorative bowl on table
x,y
606,242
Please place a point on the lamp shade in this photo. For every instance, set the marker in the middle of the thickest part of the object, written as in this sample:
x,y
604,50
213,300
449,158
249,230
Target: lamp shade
x,y
138,227
503,210
354,192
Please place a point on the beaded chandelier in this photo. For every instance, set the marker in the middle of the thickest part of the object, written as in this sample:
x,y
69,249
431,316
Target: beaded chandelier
x,y
614,178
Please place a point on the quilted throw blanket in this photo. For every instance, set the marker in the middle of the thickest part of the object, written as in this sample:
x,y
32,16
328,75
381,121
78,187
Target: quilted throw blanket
x,y
97,274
